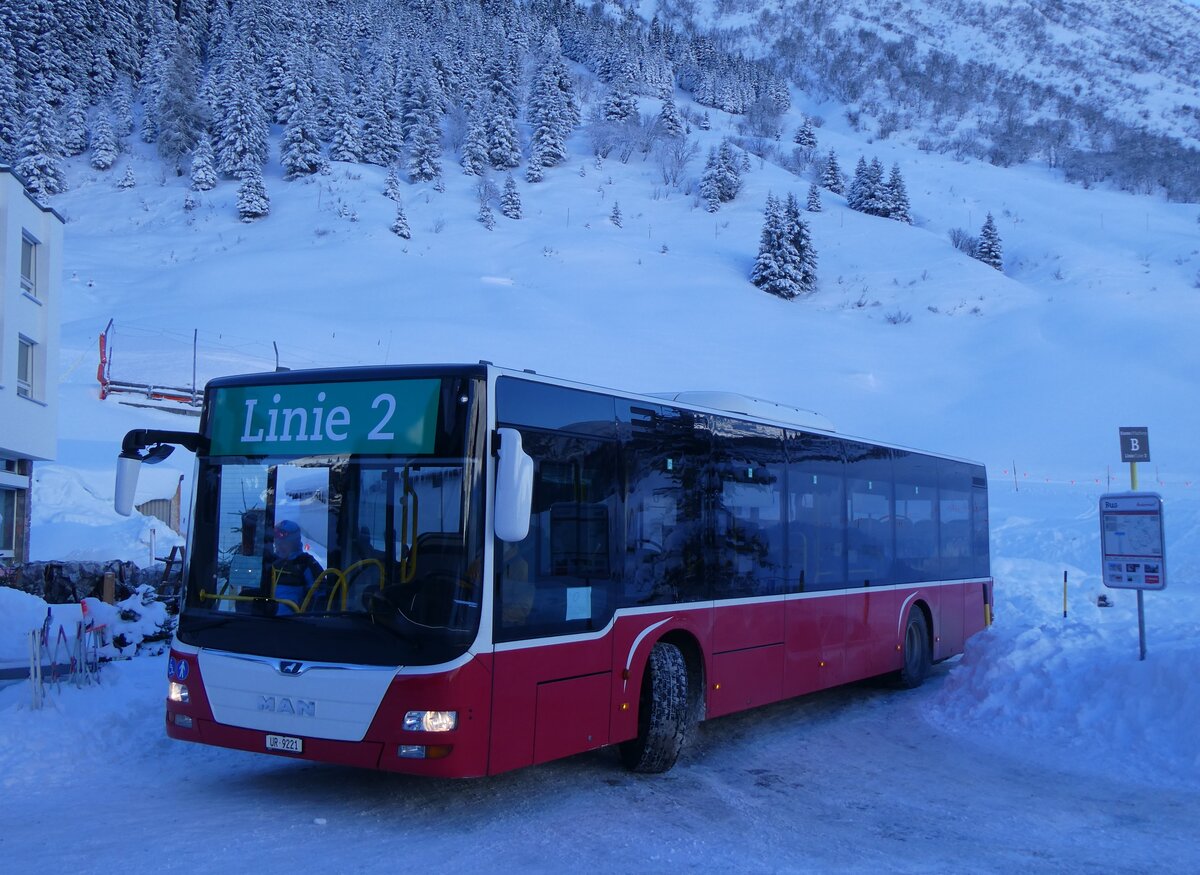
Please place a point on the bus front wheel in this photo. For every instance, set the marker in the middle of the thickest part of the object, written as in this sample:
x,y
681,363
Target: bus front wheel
x,y
663,714
917,658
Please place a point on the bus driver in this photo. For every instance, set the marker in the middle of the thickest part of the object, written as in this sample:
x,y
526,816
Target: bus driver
x,y
293,571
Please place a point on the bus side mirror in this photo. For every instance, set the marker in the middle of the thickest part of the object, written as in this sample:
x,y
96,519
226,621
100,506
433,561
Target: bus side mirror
x,y
514,487
126,485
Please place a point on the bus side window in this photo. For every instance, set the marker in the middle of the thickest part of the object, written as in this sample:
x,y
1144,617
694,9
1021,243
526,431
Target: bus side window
x,y
558,579
869,537
816,513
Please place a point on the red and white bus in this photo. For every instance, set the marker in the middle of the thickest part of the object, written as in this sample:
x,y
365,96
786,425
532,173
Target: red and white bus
x,y
507,568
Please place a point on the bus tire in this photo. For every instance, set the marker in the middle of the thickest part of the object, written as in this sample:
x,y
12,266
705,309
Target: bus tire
x,y
664,721
917,658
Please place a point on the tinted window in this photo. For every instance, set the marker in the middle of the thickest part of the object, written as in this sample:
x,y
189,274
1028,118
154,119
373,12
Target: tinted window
x,y
665,458
954,511
981,560
559,578
749,550
916,503
816,513
869,541
523,402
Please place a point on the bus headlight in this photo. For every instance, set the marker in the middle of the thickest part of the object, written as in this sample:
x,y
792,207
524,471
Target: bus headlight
x,y
430,721
177,692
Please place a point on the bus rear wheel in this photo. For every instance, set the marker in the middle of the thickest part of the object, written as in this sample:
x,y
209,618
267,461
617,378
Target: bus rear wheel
x,y
917,658
664,719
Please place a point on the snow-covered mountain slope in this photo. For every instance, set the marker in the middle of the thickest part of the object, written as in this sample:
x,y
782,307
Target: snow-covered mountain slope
x,y
1105,90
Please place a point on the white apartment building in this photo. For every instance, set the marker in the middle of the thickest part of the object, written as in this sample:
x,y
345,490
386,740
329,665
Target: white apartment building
x,y
31,258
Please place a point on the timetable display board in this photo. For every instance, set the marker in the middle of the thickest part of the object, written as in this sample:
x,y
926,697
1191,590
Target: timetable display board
x,y
1133,550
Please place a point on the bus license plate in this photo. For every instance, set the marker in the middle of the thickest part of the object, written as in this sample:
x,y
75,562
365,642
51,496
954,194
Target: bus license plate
x,y
285,743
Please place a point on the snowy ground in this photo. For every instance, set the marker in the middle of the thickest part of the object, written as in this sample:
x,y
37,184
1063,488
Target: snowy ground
x,y
1048,747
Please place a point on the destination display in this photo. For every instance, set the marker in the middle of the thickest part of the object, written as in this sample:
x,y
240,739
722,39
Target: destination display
x,y
395,416
1131,541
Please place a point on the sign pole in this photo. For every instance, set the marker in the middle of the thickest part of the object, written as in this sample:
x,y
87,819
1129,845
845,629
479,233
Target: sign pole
x,y
1141,627
1141,601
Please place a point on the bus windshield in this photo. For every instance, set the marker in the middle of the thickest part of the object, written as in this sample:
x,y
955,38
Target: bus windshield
x,y
348,558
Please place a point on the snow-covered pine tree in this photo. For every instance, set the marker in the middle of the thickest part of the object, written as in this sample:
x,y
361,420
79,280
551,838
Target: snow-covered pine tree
x,y
291,87
391,186
400,226
876,198
704,123
510,200
503,144
104,142
380,138
122,104
620,105
177,110
10,98
831,176
730,166
710,191
533,170
75,126
204,173
486,217
804,136
989,250
669,119
252,200
39,145
769,272
128,180
551,110
615,215
856,193
803,269
814,199
425,148
299,148
240,122
474,149
901,210
345,145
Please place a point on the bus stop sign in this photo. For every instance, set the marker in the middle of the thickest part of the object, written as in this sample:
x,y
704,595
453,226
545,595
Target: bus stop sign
x,y
1135,444
1131,541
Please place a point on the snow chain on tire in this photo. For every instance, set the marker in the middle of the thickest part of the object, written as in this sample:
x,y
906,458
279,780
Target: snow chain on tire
x,y
664,718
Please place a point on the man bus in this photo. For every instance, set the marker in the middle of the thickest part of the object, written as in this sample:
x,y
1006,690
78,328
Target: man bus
x,y
511,568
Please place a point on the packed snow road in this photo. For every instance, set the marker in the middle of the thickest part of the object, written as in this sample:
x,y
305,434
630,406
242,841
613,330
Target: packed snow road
x,y
855,779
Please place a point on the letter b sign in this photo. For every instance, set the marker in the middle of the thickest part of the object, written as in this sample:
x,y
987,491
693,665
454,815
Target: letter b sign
x,y
1135,445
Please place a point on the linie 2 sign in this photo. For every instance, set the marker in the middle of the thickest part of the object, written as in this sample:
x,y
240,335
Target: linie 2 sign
x,y
1135,444
1133,551
395,416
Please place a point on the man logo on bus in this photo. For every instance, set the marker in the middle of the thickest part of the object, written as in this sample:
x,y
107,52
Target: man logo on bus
x,y
286,705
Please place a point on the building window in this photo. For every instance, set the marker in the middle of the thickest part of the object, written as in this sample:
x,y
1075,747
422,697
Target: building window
x,y
29,247
25,348
8,521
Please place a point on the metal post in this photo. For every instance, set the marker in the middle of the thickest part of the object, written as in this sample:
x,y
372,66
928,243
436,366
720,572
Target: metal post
x,y
195,342
1133,476
1064,594
1141,628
